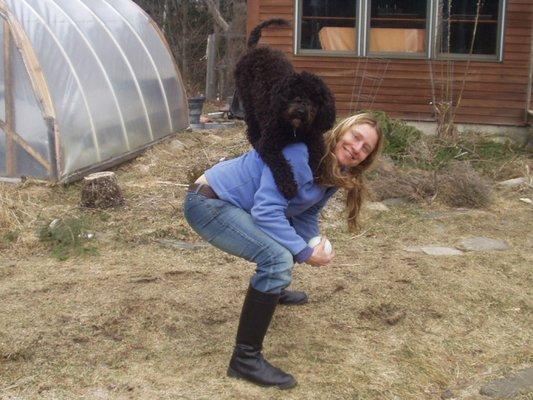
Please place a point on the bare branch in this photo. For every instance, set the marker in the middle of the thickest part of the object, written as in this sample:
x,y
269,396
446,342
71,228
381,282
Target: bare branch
x,y
215,13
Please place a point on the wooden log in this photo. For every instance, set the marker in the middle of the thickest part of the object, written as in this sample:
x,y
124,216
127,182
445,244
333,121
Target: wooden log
x,y
11,156
210,83
101,190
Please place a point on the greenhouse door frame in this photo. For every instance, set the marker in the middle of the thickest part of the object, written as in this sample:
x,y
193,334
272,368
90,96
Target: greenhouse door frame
x,y
14,32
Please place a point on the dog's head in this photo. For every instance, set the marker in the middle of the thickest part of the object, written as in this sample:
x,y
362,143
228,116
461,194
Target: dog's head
x,y
300,112
305,103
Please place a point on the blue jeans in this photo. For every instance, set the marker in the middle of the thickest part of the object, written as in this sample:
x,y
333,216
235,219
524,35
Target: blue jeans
x,y
232,230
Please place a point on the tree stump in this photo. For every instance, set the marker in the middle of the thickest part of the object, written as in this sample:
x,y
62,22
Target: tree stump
x,y
101,190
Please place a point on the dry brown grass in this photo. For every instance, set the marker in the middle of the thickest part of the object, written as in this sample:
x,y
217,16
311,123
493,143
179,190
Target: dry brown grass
x,y
143,321
11,217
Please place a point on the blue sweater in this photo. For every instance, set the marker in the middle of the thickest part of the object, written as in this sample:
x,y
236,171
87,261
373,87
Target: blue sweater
x,y
248,183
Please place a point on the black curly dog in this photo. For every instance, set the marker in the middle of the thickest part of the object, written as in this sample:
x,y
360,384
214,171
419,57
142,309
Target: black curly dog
x,y
281,107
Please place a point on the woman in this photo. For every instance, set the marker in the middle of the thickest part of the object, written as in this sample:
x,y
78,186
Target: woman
x,y
237,207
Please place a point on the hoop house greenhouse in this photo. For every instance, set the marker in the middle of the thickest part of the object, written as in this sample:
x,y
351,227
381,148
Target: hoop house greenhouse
x,y
84,84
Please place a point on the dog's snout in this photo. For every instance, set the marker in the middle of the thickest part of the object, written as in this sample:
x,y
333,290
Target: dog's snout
x,y
300,112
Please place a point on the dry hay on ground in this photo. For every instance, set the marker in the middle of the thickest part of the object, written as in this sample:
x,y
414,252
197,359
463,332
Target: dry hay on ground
x,y
140,320
10,217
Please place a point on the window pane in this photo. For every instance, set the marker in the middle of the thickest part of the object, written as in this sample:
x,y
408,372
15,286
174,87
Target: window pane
x,y
328,25
459,22
398,26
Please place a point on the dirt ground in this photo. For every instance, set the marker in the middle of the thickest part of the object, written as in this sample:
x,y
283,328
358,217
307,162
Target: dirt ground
x,y
139,319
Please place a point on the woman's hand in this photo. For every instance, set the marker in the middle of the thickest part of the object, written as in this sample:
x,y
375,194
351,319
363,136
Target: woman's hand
x,y
319,257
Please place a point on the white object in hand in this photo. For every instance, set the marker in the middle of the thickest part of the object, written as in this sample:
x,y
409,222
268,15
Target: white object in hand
x,y
316,240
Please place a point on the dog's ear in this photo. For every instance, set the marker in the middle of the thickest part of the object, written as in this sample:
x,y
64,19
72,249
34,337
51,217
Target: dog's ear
x,y
323,99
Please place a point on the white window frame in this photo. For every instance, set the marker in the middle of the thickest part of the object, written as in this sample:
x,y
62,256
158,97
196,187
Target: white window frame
x,y
432,50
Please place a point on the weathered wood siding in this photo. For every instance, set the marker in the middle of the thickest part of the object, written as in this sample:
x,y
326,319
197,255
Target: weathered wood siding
x,y
494,92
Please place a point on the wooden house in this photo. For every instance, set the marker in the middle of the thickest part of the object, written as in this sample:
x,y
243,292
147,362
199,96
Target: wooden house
x,y
414,59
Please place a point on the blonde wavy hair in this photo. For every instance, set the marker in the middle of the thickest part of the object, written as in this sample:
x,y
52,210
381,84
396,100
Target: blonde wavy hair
x,y
332,174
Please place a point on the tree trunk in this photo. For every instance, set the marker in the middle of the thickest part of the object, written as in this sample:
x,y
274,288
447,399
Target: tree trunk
x,y
101,190
214,9
184,66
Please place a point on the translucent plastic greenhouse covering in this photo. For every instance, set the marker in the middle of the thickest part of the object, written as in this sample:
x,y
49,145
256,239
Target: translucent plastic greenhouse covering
x,y
112,85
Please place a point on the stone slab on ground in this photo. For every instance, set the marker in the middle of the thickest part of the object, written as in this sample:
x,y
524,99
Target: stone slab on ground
x,y
376,206
511,183
481,243
434,250
219,125
177,145
519,383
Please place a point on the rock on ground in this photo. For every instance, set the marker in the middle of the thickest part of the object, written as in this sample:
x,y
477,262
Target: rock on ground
x,y
519,383
395,201
481,243
511,183
177,145
376,206
434,250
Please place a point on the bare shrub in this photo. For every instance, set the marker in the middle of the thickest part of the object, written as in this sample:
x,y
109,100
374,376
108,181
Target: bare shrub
x,y
458,185
408,183
461,186
420,151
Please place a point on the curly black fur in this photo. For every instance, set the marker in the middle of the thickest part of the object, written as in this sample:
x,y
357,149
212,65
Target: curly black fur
x,y
281,107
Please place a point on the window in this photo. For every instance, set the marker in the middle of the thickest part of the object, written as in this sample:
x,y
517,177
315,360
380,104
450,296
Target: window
x,y
401,28
398,26
461,18
328,25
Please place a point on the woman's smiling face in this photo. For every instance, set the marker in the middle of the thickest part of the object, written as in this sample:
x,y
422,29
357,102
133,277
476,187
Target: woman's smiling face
x,y
356,144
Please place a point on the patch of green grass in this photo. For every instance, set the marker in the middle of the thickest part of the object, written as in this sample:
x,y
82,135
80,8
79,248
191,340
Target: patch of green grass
x,y
489,157
67,237
409,147
398,135
10,236
104,216
486,156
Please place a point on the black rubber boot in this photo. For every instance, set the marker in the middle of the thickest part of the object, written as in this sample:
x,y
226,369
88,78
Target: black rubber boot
x,y
247,362
292,298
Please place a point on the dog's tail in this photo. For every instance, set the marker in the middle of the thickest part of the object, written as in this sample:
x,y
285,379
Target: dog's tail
x,y
255,35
